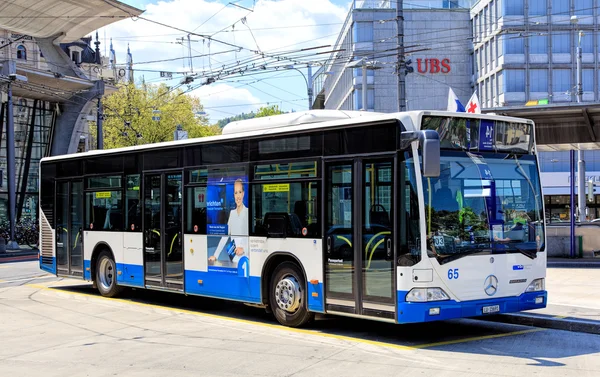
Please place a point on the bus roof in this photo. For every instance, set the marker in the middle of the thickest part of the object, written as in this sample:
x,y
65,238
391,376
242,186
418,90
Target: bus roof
x,y
291,123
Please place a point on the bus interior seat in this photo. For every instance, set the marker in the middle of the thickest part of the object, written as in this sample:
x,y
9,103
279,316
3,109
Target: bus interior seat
x,y
379,215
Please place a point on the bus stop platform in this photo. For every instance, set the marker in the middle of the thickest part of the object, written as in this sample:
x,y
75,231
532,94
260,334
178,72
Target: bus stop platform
x,y
573,298
25,254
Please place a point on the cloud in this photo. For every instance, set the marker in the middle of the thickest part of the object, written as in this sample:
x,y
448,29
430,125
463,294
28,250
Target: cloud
x,y
274,25
224,100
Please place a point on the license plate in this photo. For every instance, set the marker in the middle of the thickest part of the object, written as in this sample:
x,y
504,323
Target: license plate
x,y
491,309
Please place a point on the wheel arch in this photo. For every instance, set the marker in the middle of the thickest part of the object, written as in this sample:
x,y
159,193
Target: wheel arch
x,y
98,248
274,260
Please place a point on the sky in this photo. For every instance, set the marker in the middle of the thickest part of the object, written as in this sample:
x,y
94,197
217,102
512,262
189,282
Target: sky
x,y
264,25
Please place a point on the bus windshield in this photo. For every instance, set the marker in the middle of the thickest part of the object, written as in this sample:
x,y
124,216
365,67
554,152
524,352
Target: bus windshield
x,y
483,204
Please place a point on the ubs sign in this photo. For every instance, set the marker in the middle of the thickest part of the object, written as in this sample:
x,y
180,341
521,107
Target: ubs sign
x,y
433,65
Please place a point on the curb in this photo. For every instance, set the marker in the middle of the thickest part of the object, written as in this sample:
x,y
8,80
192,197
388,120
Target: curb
x,y
18,256
573,265
549,322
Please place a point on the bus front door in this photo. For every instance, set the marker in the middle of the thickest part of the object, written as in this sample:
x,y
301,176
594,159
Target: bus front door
x,y
163,257
69,225
359,251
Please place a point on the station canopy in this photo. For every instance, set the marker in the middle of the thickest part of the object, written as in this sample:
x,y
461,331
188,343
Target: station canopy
x,y
560,127
67,20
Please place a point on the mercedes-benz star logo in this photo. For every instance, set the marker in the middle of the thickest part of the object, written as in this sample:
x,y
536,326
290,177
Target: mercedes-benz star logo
x,y
490,285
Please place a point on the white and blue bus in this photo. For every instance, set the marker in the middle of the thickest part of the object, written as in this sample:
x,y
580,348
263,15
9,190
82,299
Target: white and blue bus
x,y
406,217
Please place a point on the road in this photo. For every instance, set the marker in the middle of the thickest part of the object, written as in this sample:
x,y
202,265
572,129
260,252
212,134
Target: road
x,y
60,327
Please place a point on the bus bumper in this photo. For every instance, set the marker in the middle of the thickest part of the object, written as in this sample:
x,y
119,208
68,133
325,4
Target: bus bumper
x,y
413,312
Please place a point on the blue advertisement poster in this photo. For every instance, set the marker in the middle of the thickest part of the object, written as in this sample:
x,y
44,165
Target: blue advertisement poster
x,y
486,135
227,220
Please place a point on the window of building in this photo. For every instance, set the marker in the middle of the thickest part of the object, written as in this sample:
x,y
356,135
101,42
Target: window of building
x,y
560,43
514,8
515,80
75,56
538,80
560,7
587,42
537,7
538,44
587,80
21,52
513,44
358,99
561,80
583,7
362,32
289,209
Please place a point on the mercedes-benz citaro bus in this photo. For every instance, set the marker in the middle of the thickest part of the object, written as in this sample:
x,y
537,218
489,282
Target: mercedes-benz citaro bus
x,y
405,217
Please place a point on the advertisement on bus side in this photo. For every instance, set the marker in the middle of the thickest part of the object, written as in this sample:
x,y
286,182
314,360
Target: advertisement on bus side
x,y
227,222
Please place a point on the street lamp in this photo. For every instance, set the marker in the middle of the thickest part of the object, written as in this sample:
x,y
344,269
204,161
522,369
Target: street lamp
x,y
575,21
308,82
581,162
365,64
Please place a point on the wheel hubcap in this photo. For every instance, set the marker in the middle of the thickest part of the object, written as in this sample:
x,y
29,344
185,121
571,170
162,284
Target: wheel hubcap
x,y
106,274
287,294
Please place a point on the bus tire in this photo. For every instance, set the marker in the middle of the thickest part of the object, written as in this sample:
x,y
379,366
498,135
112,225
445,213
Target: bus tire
x,y
106,275
288,296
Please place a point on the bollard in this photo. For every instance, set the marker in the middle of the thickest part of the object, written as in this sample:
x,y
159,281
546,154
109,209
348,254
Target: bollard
x,y
2,245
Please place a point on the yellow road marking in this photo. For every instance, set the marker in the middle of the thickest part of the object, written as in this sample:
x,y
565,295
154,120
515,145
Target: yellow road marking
x,y
560,316
291,329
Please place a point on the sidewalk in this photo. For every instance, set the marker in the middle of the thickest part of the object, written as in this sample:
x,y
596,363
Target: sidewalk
x,y
573,299
25,254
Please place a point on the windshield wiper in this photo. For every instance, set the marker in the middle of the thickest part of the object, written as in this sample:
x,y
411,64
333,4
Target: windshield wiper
x,y
452,257
531,254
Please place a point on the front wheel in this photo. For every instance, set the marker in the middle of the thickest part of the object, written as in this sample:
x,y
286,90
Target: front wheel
x,y
288,297
106,275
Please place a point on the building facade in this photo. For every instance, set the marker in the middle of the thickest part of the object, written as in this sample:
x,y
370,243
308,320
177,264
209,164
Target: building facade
x,y
512,53
44,99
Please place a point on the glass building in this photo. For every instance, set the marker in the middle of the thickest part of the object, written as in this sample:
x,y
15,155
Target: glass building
x,y
33,122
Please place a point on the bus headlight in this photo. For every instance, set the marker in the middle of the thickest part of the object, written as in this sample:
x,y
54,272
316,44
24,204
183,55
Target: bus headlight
x,y
537,285
426,294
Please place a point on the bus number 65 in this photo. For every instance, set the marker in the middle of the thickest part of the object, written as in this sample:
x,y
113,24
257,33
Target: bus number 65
x,y
453,273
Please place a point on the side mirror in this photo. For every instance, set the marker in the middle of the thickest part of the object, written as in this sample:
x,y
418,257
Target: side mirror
x,y
430,146
431,155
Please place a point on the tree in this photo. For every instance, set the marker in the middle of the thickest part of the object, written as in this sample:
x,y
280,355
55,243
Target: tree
x,y
262,112
268,111
147,114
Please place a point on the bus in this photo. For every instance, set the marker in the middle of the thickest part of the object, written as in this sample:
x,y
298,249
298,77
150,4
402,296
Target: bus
x,y
407,217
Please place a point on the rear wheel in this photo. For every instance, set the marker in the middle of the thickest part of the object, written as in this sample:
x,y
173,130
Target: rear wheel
x,y
106,275
288,297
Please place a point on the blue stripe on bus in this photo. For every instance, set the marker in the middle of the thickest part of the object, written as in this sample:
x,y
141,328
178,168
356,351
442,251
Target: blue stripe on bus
x,y
412,312
315,304
130,274
215,283
223,285
51,268
87,271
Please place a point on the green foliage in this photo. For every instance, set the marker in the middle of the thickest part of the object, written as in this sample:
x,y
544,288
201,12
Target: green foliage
x,y
262,112
128,116
223,122
268,111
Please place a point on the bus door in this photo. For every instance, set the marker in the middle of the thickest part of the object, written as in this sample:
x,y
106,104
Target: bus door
x,y
163,257
359,237
69,227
